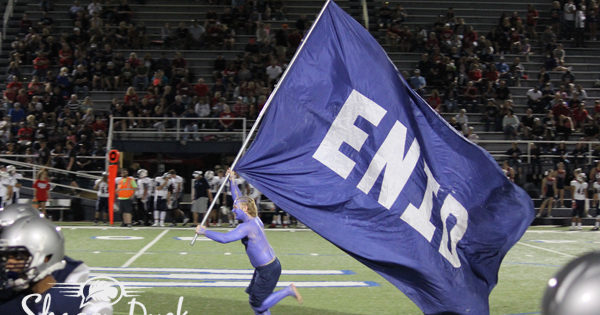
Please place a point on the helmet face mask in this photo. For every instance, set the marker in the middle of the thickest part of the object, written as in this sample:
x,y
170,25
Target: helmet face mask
x,y
15,263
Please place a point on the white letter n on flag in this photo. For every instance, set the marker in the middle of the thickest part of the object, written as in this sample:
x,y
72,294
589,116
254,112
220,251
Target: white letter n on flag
x,y
343,130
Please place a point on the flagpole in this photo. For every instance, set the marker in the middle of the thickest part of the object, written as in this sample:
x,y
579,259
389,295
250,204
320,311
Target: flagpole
x,y
259,117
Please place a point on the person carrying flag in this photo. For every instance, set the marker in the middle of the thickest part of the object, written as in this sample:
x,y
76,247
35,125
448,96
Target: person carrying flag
x,y
262,257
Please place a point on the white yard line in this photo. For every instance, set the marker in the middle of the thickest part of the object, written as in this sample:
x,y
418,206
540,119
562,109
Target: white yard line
x,y
548,250
141,252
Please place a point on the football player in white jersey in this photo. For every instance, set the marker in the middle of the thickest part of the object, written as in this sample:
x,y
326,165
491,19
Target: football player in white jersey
x,y
101,186
14,179
161,196
579,192
142,194
177,195
596,192
5,187
213,182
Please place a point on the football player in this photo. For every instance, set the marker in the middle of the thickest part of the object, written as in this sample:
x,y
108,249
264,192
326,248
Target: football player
x,y
161,195
32,252
14,178
578,192
213,182
176,183
5,187
101,186
144,189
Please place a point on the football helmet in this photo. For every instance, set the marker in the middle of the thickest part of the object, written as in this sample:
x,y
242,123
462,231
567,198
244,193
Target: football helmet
x,y
13,212
209,175
581,177
197,173
142,173
30,249
11,169
575,289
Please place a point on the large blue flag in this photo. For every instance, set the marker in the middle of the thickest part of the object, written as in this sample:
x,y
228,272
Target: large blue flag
x,y
351,151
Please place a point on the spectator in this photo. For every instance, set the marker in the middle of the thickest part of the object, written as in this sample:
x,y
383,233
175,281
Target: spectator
x,y
471,96
532,19
462,120
510,125
580,26
555,17
131,97
503,91
569,19
534,99
80,81
74,104
225,121
273,72
435,101
527,123
417,82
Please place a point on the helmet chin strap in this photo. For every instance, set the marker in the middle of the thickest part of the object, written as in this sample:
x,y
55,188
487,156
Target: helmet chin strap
x,y
57,266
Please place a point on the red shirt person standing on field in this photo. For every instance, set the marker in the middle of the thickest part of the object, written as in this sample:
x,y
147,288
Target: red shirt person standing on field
x,y
41,187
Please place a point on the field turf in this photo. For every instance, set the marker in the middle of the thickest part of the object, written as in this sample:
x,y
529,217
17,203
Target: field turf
x,y
210,277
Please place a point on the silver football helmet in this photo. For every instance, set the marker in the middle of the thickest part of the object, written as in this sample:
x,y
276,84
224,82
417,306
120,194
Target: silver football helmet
x,y
209,175
30,249
13,212
142,173
11,169
575,289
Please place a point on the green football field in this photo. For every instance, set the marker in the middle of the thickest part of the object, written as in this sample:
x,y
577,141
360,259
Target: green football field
x,y
209,278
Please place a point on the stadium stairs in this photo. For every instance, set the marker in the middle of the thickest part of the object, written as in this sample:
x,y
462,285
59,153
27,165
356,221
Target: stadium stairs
x,y
155,13
483,16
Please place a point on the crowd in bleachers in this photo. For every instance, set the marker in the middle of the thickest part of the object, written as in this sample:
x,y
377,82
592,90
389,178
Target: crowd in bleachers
x,y
48,101
463,71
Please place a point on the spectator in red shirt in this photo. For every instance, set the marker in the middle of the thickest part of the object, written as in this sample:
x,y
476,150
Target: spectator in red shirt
x,y
560,108
12,89
40,65
225,121
35,87
41,187
24,134
580,114
131,97
434,100
65,55
201,88
240,108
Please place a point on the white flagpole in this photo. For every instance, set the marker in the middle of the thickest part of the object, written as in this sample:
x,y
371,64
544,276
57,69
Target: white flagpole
x,y
260,115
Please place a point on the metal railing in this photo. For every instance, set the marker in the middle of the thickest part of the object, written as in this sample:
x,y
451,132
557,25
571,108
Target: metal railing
x,y
8,12
35,168
171,128
527,154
